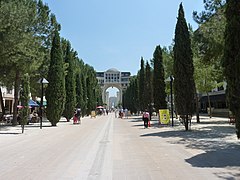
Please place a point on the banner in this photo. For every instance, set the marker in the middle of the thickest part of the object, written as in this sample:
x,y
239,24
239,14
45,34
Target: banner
x,y
164,116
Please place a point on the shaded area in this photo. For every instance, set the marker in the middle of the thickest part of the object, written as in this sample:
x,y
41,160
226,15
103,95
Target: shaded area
x,y
213,137
218,158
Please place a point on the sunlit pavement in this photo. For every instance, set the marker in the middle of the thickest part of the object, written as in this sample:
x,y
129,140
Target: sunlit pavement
x,y
106,147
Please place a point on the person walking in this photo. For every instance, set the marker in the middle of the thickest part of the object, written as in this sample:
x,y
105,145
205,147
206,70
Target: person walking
x,y
145,118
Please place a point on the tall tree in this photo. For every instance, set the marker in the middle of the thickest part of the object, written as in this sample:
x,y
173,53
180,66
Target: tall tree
x,y
55,92
141,85
184,86
70,85
23,32
148,90
24,98
85,97
159,94
231,60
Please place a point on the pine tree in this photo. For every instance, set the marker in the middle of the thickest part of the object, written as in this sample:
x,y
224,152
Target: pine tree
x,y
184,85
159,94
231,60
70,85
55,92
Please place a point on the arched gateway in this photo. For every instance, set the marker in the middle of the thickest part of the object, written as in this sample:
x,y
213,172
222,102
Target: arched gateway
x,y
113,78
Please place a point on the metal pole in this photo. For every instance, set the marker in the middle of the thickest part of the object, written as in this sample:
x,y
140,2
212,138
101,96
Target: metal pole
x,y
41,106
171,82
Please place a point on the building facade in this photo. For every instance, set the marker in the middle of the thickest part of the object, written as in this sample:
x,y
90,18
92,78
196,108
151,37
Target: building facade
x,y
8,99
113,78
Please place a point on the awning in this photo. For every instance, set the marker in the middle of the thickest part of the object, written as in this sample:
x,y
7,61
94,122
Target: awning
x,y
44,103
100,107
32,103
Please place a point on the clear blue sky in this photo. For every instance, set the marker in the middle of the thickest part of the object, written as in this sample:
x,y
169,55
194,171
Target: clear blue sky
x,y
116,33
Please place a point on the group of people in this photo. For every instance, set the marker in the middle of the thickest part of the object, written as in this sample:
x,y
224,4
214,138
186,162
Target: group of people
x,y
121,113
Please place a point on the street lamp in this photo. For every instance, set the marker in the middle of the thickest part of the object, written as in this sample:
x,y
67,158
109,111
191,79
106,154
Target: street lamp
x,y
42,81
170,79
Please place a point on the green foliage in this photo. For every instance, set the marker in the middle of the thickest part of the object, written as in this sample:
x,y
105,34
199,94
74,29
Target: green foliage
x,y
208,44
24,98
167,54
55,93
141,85
148,90
211,7
231,60
79,91
159,94
131,95
70,84
24,38
184,87
91,86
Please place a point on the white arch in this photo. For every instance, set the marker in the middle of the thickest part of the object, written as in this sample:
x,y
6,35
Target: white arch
x,y
113,78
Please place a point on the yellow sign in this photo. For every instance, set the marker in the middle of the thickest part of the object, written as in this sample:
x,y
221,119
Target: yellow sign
x,y
93,114
164,116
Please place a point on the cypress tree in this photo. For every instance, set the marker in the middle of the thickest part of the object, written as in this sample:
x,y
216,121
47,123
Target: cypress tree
x,y
231,60
55,92
184,85
79,91
159,94
70,85
141,85
148,93
24,98
85,98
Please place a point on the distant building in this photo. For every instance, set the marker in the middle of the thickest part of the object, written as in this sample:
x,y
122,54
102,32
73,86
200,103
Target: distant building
x,y
8,99
113,78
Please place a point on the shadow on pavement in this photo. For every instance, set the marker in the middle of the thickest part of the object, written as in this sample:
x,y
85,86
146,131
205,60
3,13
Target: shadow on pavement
x,y
216,139
218,158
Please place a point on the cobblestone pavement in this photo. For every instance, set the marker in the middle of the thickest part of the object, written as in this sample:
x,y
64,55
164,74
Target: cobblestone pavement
x,y
106,147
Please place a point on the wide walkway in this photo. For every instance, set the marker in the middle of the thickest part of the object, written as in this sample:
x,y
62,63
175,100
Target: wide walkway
x,y
106,147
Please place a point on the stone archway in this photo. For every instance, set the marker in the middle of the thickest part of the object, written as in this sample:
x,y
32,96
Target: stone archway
x,y
113,78
105,95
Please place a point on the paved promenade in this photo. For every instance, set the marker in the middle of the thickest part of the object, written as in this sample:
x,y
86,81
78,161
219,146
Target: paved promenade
x,y
106,148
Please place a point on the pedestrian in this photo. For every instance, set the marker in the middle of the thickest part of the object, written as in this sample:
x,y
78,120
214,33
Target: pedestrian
x,y
78,115
145,118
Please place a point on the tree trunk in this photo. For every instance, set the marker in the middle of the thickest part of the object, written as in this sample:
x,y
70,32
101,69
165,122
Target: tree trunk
x,y
16,90
186,122
237,120
197,109
209,105
2,104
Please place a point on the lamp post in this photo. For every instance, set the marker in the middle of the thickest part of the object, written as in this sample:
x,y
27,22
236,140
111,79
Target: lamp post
x,y
42,81
170,79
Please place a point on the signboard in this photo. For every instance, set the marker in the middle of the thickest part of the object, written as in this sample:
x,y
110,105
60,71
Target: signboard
x,y
93,114
164,116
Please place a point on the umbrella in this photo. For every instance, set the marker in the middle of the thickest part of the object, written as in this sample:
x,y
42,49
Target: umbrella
x,y
20,107
32,103
99,107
